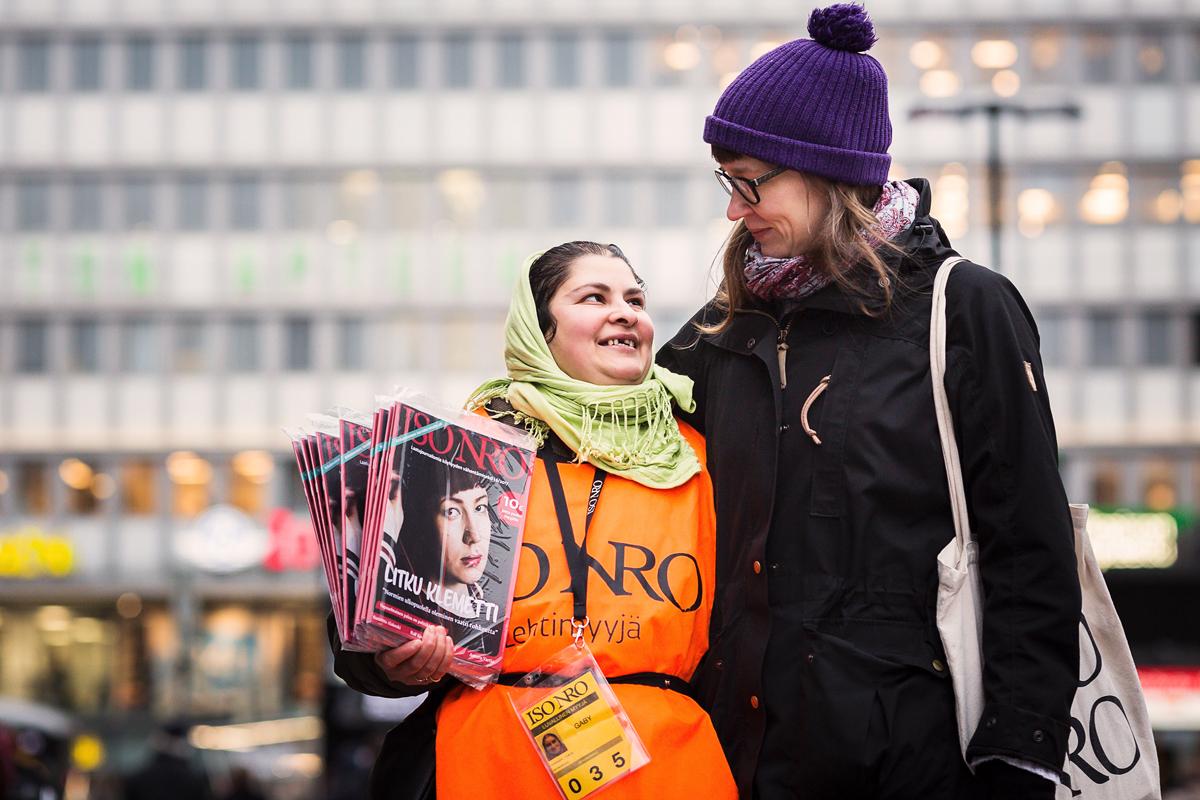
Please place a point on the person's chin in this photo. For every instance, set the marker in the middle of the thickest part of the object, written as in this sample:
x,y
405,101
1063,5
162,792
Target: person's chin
x,y
628,377
625,369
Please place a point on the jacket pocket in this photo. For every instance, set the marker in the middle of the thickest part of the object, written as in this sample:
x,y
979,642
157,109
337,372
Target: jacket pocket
x,y
829,474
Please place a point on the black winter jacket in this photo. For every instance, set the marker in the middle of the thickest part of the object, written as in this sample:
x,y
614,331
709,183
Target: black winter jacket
x,y
826,676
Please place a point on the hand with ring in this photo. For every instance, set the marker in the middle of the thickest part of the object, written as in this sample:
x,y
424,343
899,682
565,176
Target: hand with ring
x,y
419,662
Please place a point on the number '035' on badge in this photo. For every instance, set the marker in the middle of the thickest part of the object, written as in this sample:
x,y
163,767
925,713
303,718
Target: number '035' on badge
x,y
578,735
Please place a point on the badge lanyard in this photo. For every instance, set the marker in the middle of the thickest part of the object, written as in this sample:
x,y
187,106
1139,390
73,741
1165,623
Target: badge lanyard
x,y
577,555
570,714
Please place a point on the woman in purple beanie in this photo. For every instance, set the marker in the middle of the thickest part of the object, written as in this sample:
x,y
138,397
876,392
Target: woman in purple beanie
x,y
826,676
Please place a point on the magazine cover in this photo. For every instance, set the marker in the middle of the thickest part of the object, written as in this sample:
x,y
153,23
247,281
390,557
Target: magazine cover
x,y
355,463
304,446
373,516
454,489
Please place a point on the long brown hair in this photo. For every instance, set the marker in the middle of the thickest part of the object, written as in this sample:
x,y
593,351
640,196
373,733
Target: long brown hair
x,y
844,247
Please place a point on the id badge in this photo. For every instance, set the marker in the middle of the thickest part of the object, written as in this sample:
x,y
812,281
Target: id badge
x,y
576,724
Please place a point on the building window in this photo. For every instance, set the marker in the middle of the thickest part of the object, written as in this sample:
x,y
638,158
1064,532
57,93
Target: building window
x,y
87,67
139,64
1103,339
244,350
33,64
1099,57
190,351
352,343
618,60
85,485
33,346
298,67
301,203
1106,484
1156,339
297,343
246,63
564,60
352,62
456,55
139,487
1195,338
402,62
566,207
1159,486
193,203
244,204
670,201
618,196
1046,55
33,488
510,202
84,352
249,477
1052,329
1194,49
293,487
511,56
86,204
193,63
137,203
191,483
1153,57
139,346
33,204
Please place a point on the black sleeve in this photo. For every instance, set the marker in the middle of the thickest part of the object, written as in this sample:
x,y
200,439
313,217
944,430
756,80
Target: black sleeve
x,y
684,354
1020,518
361,673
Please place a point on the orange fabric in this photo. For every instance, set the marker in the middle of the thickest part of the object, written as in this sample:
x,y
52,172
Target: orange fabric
x,y
649,613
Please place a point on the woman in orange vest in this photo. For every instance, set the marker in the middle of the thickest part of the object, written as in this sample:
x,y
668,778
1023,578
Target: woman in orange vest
x,y
619,535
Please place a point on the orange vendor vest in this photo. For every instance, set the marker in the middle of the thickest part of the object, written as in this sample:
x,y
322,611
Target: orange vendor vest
x,y
648,612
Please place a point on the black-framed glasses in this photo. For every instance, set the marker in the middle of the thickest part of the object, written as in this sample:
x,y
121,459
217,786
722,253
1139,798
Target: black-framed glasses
x,y
747,188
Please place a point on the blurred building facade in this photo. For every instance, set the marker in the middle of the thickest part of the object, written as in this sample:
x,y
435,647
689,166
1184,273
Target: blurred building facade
x,y
219,216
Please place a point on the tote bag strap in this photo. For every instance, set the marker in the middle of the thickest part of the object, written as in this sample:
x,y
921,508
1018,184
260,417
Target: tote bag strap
x,y
941,403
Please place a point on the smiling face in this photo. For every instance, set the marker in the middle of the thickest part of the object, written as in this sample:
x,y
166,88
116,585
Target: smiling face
x,y
465,527
603,334
786,220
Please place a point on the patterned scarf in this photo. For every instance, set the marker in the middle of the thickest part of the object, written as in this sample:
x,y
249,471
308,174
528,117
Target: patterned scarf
x,y
793,278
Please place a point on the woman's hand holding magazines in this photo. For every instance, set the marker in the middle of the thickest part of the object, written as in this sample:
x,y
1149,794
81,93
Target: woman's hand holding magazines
x,y
419,662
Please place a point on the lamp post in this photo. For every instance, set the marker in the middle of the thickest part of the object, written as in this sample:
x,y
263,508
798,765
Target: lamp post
x,y
993,111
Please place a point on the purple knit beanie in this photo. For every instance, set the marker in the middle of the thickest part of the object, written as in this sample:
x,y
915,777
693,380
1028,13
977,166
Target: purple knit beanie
x,y
814,105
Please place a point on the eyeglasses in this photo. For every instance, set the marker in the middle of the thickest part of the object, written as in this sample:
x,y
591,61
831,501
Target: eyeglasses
x,y
747,188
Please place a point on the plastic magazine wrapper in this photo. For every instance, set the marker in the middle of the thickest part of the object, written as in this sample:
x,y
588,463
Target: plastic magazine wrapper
x,y
446,497
575,723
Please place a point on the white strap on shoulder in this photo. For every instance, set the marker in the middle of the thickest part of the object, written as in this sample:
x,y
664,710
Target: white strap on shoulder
x,y
941,403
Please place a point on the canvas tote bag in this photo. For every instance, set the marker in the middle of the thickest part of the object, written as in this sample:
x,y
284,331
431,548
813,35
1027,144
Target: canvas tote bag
x,y
1110,753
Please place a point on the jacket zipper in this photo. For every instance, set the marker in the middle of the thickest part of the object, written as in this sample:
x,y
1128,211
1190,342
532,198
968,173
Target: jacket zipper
x,y
781,350
781,347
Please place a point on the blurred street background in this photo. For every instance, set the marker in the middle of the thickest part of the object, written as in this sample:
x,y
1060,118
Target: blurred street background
x,y
219,216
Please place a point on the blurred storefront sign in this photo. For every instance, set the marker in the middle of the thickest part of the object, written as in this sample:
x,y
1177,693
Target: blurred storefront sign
x,y
30,553
1134,540
222,540
1172,697
293,547
225,539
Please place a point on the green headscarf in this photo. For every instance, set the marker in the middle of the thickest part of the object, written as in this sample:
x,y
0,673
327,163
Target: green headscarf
x,y
626,430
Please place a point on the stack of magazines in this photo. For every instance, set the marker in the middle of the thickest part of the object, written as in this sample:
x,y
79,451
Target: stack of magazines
x,y
419,511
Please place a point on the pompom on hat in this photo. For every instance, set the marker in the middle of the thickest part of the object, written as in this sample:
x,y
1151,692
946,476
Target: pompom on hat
x,y
814,105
